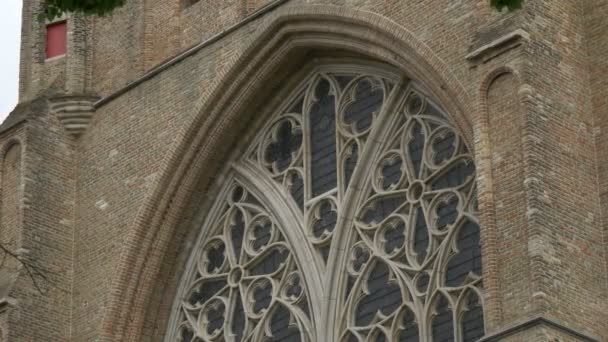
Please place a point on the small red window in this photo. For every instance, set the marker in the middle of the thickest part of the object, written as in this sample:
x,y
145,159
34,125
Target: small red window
x,y
56,39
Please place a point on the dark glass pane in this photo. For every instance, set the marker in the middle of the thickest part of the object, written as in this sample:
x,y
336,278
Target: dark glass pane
x,y
409,329
394,237
444,148
323,140
384,296
238,320
270,262
343,80
237,193
186,334
215,258
456,175
236,233
262,296
414,104
326,220
391,173
215,318
288,140
472,320
360,257
294,289
423,282
367,101
447,212
262,232
415,148
381,208
469,257
421,236
205,291
443,325
380,337
280,326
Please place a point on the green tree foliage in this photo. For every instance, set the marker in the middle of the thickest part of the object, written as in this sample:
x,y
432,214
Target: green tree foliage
x,y
55,8
509,4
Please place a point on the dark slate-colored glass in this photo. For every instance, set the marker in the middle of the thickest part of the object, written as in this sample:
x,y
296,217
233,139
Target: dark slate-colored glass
x,y
380,337
409,329
447,212
381,208
443,324
288,141
414,104
205,291
343,80
186,334
262,296
295,288
238,320
391,173
215,318
367,101
361,257
472,320
469,257
281,330
236,233
444,148
416,148
456,175
262,233
271,261
394,237
383,296
421,236
323,140
215,258
327,220
422,282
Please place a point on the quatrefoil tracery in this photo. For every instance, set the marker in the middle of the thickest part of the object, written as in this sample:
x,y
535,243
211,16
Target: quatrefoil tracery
x,y
408,268
245,272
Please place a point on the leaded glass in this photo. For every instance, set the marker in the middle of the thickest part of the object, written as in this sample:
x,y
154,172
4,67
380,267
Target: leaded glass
x,y
358,189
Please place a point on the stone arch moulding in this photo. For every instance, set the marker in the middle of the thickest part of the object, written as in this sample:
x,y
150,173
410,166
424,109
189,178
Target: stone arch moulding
x,y
288,30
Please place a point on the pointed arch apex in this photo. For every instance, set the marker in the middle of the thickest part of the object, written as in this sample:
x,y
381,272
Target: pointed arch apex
x,y
286,38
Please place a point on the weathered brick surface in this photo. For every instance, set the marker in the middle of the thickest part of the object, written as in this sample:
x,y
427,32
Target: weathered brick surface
x,y
112,213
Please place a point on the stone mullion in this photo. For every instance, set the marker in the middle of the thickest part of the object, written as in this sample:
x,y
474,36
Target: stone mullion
x,y
352,197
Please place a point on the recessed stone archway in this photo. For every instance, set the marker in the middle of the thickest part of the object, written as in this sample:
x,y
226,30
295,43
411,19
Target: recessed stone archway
x,y
139,290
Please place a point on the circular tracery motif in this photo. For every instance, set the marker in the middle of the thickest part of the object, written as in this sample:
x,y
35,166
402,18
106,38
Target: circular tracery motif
x,y
419,236
409,267
247,285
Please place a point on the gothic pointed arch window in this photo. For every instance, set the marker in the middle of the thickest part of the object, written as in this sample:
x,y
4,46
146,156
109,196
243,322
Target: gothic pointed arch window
x,y
351,216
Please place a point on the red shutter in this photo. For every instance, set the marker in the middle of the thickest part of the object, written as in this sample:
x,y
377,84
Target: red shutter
x,y
56,39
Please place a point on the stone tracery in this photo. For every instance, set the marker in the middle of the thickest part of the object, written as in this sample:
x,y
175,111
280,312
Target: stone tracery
x,y
412,270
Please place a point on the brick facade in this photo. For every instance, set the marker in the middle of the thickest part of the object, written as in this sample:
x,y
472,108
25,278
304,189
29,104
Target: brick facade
x,y
104,192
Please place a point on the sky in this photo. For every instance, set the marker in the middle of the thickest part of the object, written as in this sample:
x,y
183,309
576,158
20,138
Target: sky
x,y
10,34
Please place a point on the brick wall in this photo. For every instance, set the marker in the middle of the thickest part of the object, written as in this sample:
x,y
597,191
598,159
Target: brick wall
x,y
533,114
